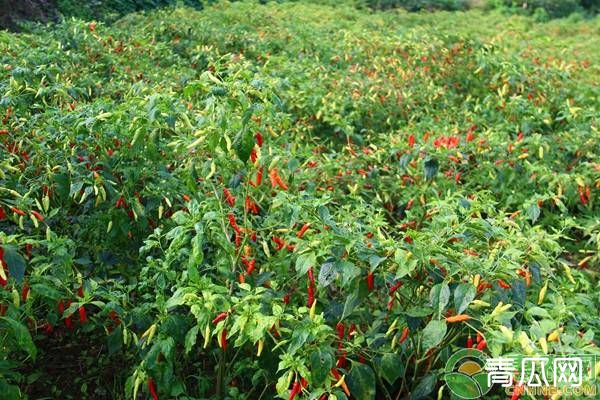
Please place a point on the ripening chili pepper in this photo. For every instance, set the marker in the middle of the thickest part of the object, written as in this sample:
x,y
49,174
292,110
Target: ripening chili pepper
x,y
82,315
311,275
404,335
469,342
458,318
220,318
18,211
503,284
302,231
259,139
229,198
242,278
340,328
395,287
24,292
276,180
370,281
186,198
152,389
295,390
311,295
224,339
481,345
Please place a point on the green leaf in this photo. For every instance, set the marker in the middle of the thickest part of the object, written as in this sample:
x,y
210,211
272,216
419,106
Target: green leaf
x,y
463,296
433,334
391,367
327,274
321,362
533,212
424,388
243,144
15,262
347,270
462,384
431,167
190,338
304,262
439,297
114,341
361,382
20,334
351,302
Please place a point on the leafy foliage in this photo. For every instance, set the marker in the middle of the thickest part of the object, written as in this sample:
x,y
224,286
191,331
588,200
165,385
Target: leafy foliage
x,y
251,201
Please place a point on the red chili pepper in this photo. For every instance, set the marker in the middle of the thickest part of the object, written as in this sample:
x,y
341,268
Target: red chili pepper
x,y
82,315
119,202
259,176
481,345
259,139
238,239
340,328
232,223
69,319
410,204
351,329
469,342
390,303
295,390
251,206
479,338
370,281
224,339
220,318
229,198
24,292
279,241
276,180
311,295
341,361
411,140
286,299
311,275
253,155
303,383
302,231
18,211
404,335
395,287
152,389
250,265
503,284
2,213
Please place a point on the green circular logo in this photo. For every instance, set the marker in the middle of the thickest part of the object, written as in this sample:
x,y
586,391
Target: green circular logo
x,y
465,374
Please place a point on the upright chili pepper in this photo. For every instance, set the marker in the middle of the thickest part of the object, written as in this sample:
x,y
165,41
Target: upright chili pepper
x,y
229,198
311,295
404,335
152,389
233,223
311,275
340,328
302,230
259,139
370,281
224,340
82,315
24,292
295,390
279,241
